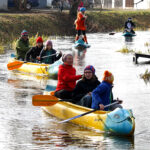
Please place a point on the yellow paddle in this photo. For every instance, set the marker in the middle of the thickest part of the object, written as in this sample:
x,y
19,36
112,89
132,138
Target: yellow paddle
x,y
44,100
15,65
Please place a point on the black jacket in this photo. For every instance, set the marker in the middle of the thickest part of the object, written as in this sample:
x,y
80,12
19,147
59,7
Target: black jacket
x,y
83,87
51,59
132,24
33,53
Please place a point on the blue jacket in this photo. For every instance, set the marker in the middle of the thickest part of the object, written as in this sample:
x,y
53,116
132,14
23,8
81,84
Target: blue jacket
x,y
101,95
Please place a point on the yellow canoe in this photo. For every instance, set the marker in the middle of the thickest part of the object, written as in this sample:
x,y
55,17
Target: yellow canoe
x,y
50,70
119,121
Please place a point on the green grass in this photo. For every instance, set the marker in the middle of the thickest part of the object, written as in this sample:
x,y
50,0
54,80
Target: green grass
x,y
146,75
60,24
125,50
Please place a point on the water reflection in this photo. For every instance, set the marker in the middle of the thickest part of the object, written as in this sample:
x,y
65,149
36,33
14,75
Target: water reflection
x,y
25,127
128,39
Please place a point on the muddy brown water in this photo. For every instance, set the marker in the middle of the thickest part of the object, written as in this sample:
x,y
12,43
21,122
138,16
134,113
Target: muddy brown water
x,y
23,126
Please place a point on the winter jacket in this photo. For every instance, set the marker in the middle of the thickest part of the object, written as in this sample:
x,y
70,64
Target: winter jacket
x,y
33,53
67,78
21,48
50,59
132,24
83,87
80,22
101,95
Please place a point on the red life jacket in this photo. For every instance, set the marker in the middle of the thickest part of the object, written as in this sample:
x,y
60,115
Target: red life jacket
x,y
67,78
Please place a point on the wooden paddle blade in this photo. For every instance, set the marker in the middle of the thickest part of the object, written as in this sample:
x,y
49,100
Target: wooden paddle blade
x,y
14,65
44,100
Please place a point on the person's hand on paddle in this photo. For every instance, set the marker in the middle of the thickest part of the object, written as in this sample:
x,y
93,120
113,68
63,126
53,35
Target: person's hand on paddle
x,y
119,101
60,53
101,106
90,93
38,57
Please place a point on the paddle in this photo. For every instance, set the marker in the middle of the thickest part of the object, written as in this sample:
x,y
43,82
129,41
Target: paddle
x,y
87,113
17,64
46,100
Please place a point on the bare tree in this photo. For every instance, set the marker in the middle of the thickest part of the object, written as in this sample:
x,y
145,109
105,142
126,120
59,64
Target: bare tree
x,y
74,7
21,4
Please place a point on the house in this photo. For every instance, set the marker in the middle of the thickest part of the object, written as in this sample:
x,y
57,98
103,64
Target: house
x,y
3,4
126,4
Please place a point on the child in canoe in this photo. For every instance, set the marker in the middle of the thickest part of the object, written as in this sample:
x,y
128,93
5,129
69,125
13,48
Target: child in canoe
x,y
80,24
34,52
101,95
48,55
83,90
66,78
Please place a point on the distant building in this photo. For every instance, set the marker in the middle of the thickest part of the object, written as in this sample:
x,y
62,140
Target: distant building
x,y
126,4
42,3
3,4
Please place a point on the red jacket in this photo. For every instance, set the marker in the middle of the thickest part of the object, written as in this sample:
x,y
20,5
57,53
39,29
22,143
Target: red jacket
x,y
67,78
80,22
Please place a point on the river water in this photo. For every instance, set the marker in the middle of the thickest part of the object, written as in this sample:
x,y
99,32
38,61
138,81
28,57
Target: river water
x,y
23,126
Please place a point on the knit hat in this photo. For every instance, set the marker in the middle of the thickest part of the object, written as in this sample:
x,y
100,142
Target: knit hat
x,y
90,67
24,33
65,56
48,42
39,40
82,9
108,77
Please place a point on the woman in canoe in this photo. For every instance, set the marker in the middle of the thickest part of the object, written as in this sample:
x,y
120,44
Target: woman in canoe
x,y
101,96
48,55
33,54
80,24
66,78
82,92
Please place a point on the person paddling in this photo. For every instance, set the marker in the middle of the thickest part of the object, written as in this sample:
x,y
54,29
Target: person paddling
x,y
80,24
129,25
33,54
66,78
101,96
83,90
48,55
22,46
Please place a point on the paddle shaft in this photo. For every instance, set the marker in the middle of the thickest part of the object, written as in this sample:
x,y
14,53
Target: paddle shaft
x,y
87,113
50,55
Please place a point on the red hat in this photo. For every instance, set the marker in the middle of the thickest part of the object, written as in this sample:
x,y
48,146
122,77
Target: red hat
x,y
39,40
108,77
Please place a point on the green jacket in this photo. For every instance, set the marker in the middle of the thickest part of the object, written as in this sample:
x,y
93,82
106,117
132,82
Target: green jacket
x,y
21,48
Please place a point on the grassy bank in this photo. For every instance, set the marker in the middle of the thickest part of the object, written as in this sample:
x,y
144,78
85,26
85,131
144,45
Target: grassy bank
x,y
54,23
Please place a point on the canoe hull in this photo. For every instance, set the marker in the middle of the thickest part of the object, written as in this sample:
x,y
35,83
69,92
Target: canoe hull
x,y
99,120
128,34
80,45
38,69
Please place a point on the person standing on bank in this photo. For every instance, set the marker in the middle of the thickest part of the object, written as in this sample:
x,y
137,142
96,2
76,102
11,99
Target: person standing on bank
x,y
66,78
80,24
22,46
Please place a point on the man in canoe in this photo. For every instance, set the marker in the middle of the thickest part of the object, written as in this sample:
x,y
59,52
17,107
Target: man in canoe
x,y
83,90
101,96
33,54
66,78
129,25
80,24
48,55
22,45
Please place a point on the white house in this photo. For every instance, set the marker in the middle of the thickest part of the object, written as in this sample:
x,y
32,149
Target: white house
x,y
126,4
3,4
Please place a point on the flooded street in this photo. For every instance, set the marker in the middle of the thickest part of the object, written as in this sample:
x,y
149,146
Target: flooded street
x,y
25,127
